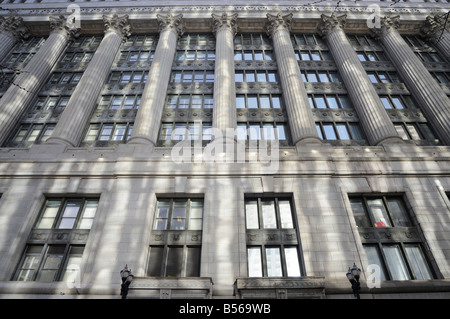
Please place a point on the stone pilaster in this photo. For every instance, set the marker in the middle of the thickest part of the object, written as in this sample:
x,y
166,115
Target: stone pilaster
x,y
81,105
11,30
148,118
224,112
432,100
437,32
377,125
17,98
301,121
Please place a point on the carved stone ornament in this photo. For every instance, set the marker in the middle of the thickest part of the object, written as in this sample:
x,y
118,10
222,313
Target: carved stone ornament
x,y
118,24
60,23
14,25
433,27
387,23
224,22
171,22
276,22
331,23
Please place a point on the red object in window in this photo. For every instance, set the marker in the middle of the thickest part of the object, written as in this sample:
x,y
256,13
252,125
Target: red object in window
x,y
380,224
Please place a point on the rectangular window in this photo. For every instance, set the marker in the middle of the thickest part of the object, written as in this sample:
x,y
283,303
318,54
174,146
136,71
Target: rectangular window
x,y
271,255
179,214
168,257
70,213
400,255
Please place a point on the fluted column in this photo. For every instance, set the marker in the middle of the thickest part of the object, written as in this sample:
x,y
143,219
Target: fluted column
x,y
11,30
17,98
377,125
437,32
78,110
301,121
148,118
224,114
432,100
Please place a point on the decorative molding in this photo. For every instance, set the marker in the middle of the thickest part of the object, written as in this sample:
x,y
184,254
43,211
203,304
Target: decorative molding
x,y
14,26
116,24
387,23
331,23
433,27
224,22
278,22
60,23
171,22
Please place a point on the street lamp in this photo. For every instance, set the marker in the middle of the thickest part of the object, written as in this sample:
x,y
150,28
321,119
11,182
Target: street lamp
x,y
127,278
353,277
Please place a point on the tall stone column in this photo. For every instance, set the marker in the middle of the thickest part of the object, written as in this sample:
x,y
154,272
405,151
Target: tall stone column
x,y
148,118
78,110
377,125
224,111
11,30
433,101
301,121
17,98
437,32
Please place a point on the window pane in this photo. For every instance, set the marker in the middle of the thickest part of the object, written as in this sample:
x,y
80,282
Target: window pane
x,y
174,262
273,262
285,214
356,131
412,130
401,132
330,134
254,262
70,214
195,215
359,213
155,261
49,214
30,263
52,264
268,132
320,102
251,214
292,265
268,214
418,262
332,102
398,212
178,215
386,103
374,258
240,102
162,215
395,262
193,262
378,213
87,217
281,132
342,131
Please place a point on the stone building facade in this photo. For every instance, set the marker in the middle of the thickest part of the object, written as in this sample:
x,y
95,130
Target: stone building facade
x,y
224,149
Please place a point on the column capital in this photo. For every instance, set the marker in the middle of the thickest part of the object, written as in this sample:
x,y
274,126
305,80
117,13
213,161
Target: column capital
x,y
117,24
387,24
60,23
224,21
433,26
331,23
171,22
13,25
278,22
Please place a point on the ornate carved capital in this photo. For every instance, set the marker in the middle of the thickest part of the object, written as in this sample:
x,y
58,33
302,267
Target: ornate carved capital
x,y
60,23
14,25
387,24
331,23
278,22
433,27
224,22
117,24
170,22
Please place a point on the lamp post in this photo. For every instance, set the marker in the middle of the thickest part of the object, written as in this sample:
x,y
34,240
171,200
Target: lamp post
x,y
353,277
127,278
